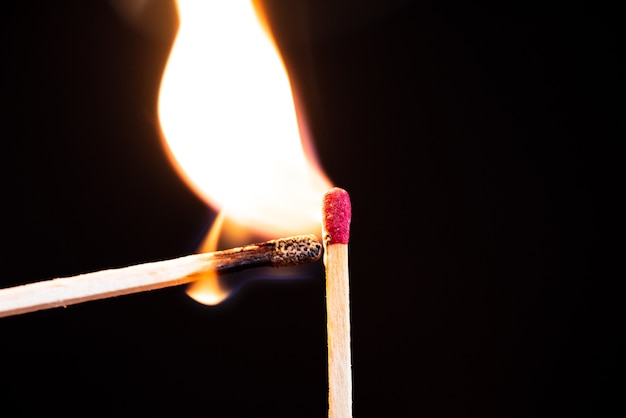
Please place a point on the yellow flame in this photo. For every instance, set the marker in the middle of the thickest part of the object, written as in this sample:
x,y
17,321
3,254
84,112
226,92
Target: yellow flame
x,y
227,114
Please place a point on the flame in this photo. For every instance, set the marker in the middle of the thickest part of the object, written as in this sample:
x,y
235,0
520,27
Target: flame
x,y
230,126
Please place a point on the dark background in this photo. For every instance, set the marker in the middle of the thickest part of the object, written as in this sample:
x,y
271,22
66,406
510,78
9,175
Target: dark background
x,y
478,147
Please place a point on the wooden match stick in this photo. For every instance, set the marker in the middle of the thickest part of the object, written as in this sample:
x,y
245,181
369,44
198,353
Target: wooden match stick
x,y
337,213
156,275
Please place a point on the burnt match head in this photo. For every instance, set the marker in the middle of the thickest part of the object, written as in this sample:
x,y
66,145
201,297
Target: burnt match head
x,y
296,250
337,214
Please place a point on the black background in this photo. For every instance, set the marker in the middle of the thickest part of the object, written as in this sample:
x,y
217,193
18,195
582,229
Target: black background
x,y
477,145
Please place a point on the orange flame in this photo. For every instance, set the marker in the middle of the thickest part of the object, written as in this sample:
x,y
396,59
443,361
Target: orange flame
x,y
228,116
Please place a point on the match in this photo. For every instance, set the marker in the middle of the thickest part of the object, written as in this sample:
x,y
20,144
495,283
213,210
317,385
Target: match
x,y
62,292
337,214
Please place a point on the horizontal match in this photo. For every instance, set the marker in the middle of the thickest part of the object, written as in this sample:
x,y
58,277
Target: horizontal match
x,y
102,284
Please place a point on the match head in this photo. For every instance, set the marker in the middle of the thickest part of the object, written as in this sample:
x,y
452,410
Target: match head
x,y
297,250
337,213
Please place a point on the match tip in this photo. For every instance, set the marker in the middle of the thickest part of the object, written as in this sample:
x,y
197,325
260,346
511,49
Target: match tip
x,y
292,251
337,213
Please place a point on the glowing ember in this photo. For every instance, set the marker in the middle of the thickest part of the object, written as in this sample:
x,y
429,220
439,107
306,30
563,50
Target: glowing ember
x,y
228,116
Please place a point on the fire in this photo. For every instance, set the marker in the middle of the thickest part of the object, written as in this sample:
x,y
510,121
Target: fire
x,y
230,126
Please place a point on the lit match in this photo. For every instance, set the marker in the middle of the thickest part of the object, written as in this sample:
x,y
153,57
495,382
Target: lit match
x,y
337,214
102,284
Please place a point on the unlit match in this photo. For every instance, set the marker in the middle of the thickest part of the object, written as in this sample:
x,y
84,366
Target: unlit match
x,y
337,215
102,284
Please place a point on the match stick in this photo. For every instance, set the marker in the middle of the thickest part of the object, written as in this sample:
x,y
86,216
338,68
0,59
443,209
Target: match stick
x,y
102,284
337,213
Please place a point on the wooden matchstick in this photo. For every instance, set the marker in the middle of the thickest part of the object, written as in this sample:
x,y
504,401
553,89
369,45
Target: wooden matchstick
x,y
337,213
156,275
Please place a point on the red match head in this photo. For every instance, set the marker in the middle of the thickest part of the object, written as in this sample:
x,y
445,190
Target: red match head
x,y
337,213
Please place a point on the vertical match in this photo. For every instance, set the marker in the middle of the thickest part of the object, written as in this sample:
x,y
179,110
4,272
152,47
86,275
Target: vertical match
x,y
337,214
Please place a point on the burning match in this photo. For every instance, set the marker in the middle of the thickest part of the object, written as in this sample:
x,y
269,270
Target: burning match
x,y
66,291
337,214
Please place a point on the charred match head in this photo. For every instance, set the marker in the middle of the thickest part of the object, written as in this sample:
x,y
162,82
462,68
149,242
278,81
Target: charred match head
x,y
291,251
337,214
